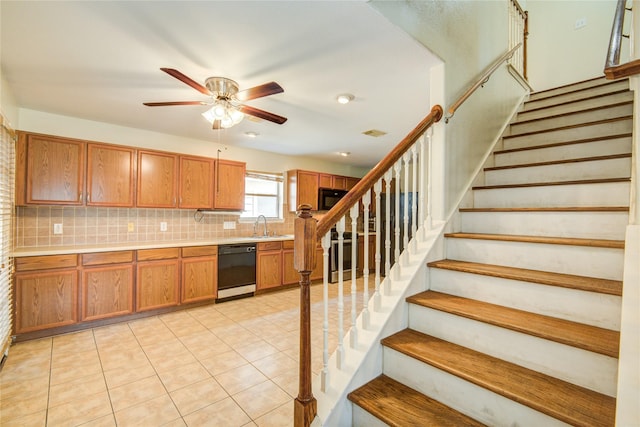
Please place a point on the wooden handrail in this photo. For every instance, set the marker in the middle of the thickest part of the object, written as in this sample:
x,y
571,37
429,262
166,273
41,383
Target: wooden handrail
x,y
612,68
484,77
366,183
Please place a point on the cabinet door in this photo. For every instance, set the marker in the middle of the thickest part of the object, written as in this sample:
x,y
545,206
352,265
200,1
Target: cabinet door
x,y
317,272
307,192
107,291
289,274
46,299
54,170
229,185
339,182
199,278
269,269
196,183
325,180
157,173
157,284
351,182
110,175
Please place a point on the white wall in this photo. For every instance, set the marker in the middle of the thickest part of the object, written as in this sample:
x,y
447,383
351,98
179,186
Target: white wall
x,y
8,106
53,124
468,36
558,52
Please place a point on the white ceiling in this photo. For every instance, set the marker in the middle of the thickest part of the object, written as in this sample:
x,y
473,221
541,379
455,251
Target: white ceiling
x,y
100,60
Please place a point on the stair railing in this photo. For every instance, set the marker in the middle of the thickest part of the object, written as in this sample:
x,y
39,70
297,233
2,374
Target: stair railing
x,y
518,33
480,81
403,173
613,69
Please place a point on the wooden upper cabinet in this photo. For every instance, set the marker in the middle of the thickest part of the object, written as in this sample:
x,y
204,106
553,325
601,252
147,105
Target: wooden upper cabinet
x,y
339,182
351,182
303,189
325,180
229,184
196,183
110,175
157,177
50,170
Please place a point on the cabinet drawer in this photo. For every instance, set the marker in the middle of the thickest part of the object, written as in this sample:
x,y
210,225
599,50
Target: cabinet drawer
x,y
46,262
287,244
269,246
155,254
192,251
101,258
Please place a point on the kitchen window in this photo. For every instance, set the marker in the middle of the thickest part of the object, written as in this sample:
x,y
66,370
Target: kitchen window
x,y
263,195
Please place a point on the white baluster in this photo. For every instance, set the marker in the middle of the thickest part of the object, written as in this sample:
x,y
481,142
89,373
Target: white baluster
x,y
324,377
340,350
423,186
377,189
429,224
366,201
355,210
387,242
397,168
405,219
414,199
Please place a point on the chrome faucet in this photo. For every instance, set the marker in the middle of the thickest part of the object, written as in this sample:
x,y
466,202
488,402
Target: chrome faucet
x,y
265,232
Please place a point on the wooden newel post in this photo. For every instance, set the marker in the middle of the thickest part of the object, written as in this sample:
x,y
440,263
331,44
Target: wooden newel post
x,y
304,261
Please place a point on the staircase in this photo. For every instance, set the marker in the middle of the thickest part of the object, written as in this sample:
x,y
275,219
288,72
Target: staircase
x,y
520,322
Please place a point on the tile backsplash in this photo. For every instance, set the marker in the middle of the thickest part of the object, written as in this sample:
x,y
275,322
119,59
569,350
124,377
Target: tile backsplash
x,y
97,226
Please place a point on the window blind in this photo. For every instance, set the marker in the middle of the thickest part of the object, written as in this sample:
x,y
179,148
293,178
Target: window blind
x,y
7,189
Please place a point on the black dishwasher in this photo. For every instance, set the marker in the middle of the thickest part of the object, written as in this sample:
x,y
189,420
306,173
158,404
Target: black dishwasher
x,y
236,271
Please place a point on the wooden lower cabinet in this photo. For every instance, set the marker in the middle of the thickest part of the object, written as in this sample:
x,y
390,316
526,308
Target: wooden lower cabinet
x,y
289,273
157,279
107,285
46,299
199,273
268,265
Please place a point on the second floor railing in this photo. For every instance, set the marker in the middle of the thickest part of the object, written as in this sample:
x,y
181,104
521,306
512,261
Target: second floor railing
x,y
613,69
395,194
518,33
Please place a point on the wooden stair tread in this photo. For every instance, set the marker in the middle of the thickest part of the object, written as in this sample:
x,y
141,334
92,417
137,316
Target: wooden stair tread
x,y
399,405
604,82
560,162
586,337
569,113
552,209
560,144
595,122
599,243
590,284
573,101
559,399
543,184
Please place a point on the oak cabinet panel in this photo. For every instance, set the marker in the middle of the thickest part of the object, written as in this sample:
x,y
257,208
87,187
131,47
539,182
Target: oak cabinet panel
x,y
339,182
351,182
268,265
110,175
303,189
196,182
50,170
45,262
46,299
325,180
107,291
289,273
157,177
229,192
157,284
199,278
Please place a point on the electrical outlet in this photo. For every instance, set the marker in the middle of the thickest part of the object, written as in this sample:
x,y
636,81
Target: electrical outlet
x,y
229,225
57,228
130,227
163,226
580,22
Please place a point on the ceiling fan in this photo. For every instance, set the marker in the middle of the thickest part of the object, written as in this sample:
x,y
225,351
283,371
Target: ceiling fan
x,y
225,99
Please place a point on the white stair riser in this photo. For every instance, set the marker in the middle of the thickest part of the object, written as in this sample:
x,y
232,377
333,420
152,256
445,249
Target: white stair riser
x,y
545,99
588,225
572,134
362,418
584,368
571,119
570,195
576,106
564,152
463,396
586,85
590,308
572,171
605,263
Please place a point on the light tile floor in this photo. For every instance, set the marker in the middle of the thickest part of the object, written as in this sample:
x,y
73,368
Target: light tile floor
x,y
229,364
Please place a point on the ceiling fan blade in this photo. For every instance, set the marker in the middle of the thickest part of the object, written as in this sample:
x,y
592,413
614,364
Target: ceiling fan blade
x,y
217,124
259,91
262,114
164,104
186,80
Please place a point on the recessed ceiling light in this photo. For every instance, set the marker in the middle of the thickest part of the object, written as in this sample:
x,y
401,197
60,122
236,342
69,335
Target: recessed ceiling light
x,y
345,153
251,134
345,98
